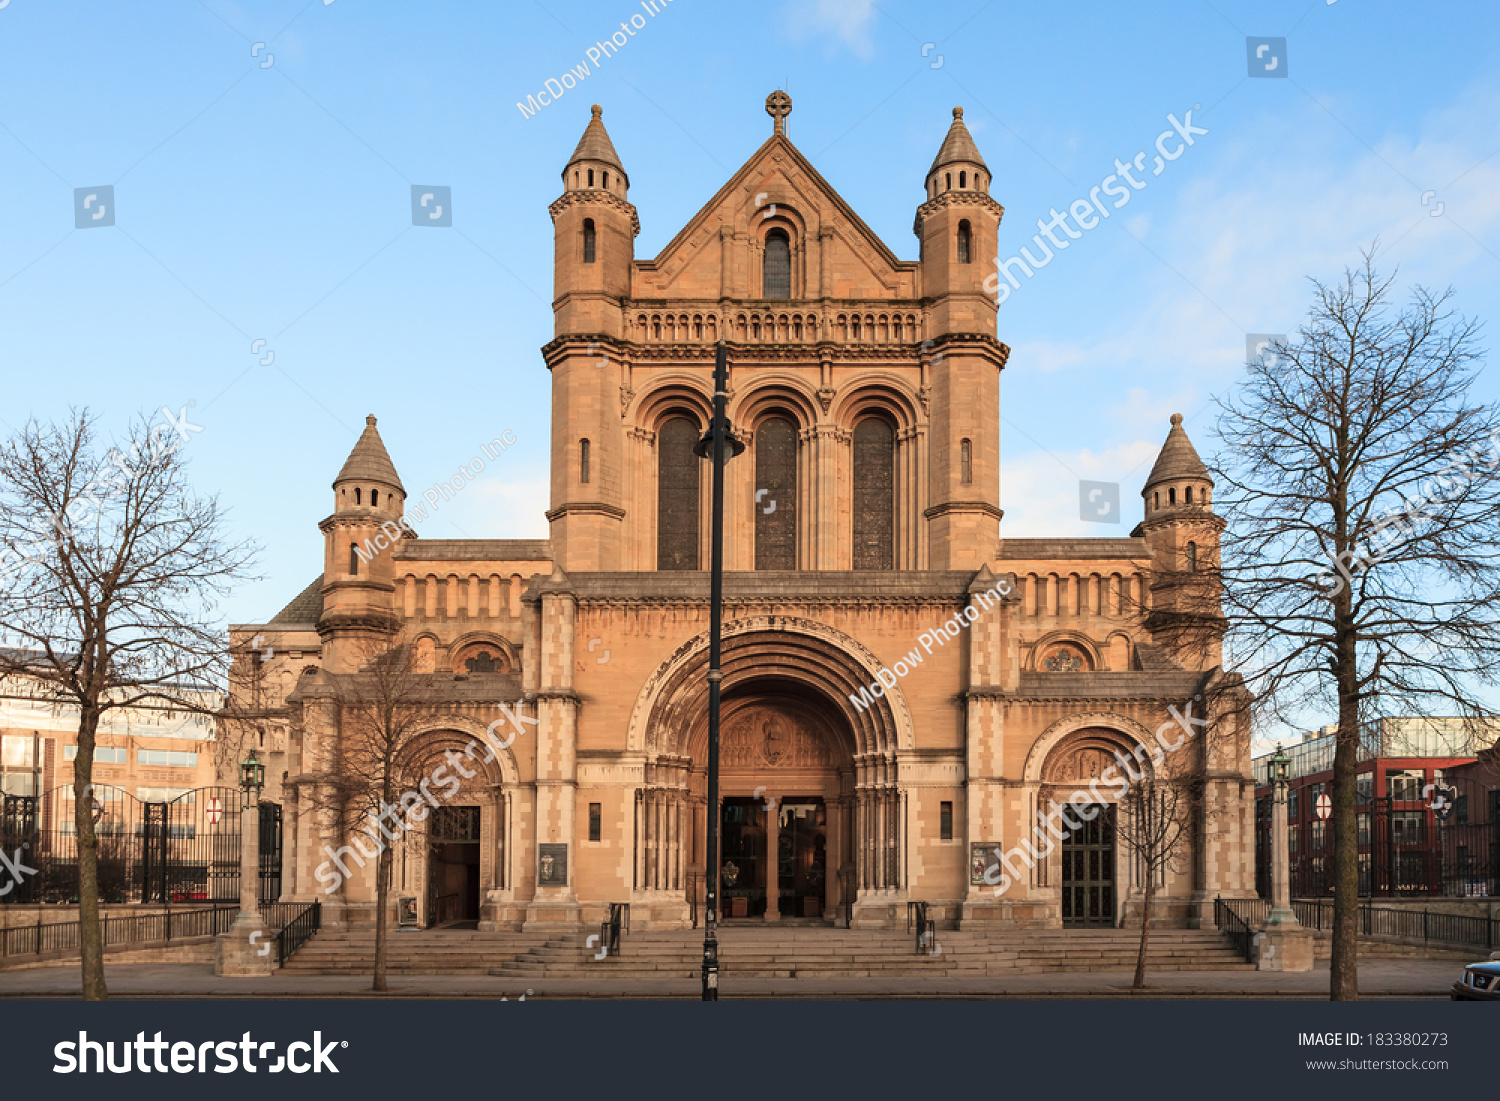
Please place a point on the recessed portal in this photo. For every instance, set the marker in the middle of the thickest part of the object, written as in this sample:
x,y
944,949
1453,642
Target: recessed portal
x,y
453,866
1088,872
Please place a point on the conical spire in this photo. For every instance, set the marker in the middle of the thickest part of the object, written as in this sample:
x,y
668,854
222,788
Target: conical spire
x,y
958,146
369,462
1178,458
596,146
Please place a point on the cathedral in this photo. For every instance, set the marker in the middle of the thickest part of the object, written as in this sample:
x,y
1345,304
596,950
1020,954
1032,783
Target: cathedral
x,y
906,692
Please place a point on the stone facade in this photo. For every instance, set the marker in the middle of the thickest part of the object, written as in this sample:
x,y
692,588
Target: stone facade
x,y
863,515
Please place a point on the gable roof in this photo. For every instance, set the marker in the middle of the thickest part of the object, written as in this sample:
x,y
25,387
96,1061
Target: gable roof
x,y
774,143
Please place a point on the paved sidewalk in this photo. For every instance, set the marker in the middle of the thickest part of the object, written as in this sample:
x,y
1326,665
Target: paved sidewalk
x,y
1379,978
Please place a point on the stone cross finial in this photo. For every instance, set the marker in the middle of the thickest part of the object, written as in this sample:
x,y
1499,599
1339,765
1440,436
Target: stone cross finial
x,y
779,106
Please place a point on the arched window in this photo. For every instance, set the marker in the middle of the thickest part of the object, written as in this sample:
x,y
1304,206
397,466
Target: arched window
x,y
606,181
776,495
1189,494
947,181
374,497
1172,495
354,559
964,237
963,180
356,497
777,276
966,462
588,241
1156,499
583,461
874,494
1192,556
591,177
677,496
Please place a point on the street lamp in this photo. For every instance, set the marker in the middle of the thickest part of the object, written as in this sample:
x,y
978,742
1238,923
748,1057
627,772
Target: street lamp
x,y
1281,915
252,779
720,445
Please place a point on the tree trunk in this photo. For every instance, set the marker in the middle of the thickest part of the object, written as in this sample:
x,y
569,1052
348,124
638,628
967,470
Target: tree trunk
x,y
1140,960
383,888
1343,976
90,932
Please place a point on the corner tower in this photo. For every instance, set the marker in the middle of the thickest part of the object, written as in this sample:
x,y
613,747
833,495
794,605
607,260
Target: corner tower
x,y
958,225
1182,532
594,230
360,541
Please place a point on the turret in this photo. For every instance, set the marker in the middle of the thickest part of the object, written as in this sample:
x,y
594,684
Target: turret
x,y
958,226
1182,532
360,542
594,228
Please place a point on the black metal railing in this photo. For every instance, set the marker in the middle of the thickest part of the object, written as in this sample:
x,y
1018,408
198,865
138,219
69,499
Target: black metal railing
x,y
926,929
158,927
1400,923
186,850
298,930
612,929
1234,927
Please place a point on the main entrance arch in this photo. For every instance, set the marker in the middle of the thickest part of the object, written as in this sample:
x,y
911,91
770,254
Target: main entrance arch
x,y
812,815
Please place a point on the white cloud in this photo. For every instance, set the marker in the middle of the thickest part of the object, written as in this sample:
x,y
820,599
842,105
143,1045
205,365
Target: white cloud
x,y
846,21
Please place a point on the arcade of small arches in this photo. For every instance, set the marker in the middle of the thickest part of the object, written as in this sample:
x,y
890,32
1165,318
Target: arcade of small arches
x,y
779,327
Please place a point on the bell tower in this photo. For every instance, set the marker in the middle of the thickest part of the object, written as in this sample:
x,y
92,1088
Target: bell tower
x,y
594,230
958,225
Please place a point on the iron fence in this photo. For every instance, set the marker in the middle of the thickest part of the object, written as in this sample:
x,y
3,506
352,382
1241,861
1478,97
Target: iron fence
x,y
182,850
1398,923
1438,846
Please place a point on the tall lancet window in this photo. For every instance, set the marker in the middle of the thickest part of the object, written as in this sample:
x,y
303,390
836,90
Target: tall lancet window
x,y
965,242
776,495
874,494
588,241
777,277
677,496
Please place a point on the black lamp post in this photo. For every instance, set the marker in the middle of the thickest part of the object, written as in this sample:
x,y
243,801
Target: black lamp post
x,y
717,443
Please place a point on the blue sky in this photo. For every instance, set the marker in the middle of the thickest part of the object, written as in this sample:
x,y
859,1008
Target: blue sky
x,y
271,201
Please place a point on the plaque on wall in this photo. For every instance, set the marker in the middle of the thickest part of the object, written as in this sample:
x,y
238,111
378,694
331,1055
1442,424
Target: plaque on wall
x,y
981,856
552,866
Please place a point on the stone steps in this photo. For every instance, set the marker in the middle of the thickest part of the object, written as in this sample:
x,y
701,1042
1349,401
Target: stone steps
x,y
768,952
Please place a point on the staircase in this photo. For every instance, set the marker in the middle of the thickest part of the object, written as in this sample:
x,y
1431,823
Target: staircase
x,y
767,952
430,952
841,953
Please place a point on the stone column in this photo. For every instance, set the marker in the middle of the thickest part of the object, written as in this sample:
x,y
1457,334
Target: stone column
x,y
248,949
1283,945
773,863
832,857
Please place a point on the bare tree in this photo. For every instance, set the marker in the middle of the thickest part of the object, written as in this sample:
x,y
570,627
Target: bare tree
x,y
382,711
1359,566
1155,825
110,571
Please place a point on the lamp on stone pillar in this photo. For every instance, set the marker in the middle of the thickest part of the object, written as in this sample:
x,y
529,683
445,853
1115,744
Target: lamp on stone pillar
x,y
719,444
1281,890
1283,945
245,950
